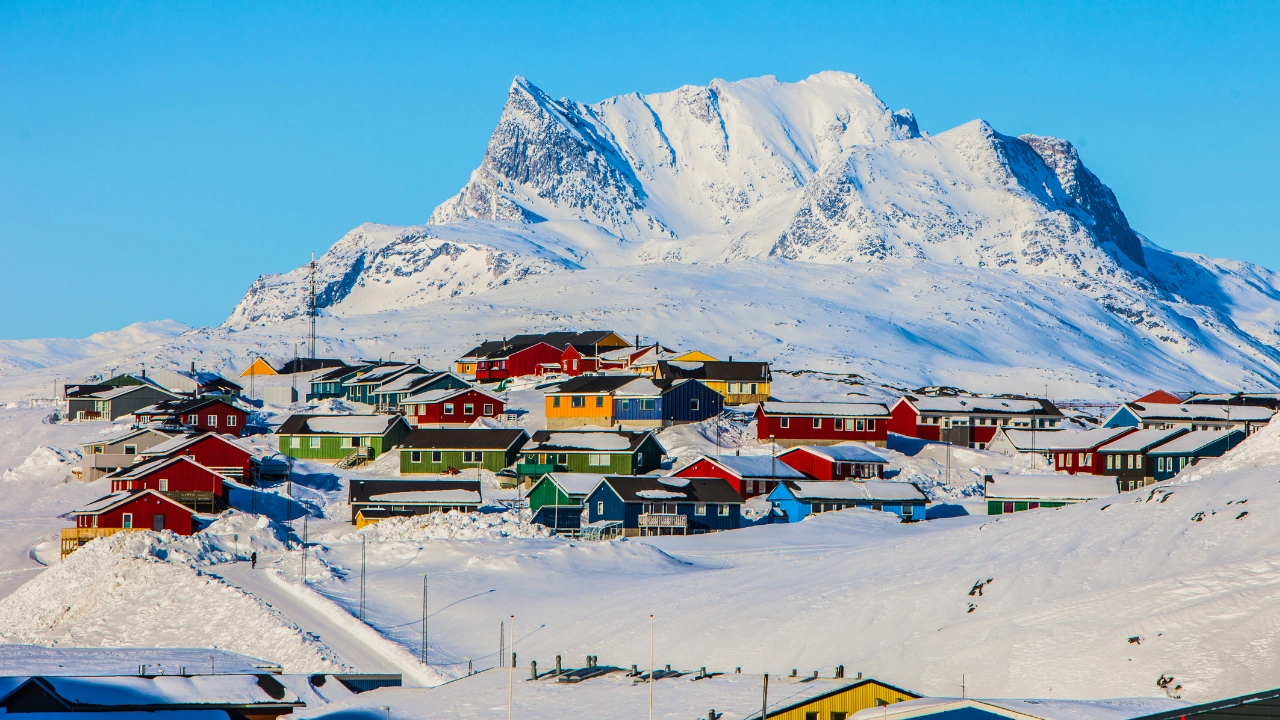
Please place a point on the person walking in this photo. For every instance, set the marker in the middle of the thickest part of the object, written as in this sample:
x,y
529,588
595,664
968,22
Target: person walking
x,y
253,561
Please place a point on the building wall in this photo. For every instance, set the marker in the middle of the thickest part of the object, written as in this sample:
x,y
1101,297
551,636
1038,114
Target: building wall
x,y
820,468
596,409
331,447
183,477
227,419
434,413
848,701
676,405
613,507
215,454
1000,507
705,468
176,518
800,430
490,459
630,410
136,400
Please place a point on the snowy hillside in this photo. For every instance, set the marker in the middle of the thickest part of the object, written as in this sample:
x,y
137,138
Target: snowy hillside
x,y
19,355
808,204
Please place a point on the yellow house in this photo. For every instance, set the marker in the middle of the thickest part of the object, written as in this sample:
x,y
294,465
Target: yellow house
x,y
584,400
695,356
259,367
740,382
842,700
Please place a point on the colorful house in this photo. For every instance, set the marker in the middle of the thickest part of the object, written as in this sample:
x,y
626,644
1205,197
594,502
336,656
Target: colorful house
x,y
1142,708
1189,416
391,395
1014,493
740,383
647,505
800,499
454,407
1172,457
329,384
614,452
749,475
663,403
106,455
437,451
219,453
835,462
178,478
822,423
522,355
205,414
361,387
333,438
373,500
1077,452
111,403
969,421
556,499
260,366
126,510
586,400
1126,456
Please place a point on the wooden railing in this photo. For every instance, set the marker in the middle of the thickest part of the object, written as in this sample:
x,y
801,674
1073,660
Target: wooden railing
x,y
73,538
663,520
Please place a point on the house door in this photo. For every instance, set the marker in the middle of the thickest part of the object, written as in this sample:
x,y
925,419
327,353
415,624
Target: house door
x,y
157,522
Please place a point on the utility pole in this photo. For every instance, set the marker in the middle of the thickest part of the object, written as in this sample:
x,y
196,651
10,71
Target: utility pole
x,y
362,575
304,548
424,620
651,677
764,700
313,309
502,643
511,671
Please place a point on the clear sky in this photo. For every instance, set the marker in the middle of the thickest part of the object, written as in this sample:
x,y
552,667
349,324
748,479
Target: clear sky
x,y
156,157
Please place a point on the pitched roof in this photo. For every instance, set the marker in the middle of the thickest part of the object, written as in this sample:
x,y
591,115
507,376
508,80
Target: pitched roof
x,y
125,390
1084,439
736,371
147,467
854,490
588,440
1198,412
1195,441
1160,396
177,443
170,690
297,365
442,394
647,488
179,407
107,503
576,484
463,439
1059,486
363,491
338,424
128,434
338,373
992,406
1141,440
594,384
826,409
750,466
429,497
851,452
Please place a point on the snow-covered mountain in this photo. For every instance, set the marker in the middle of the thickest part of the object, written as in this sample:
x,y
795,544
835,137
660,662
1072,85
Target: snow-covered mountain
x,y
778,175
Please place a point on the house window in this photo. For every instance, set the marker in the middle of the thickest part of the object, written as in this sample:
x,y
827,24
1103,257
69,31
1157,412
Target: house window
x,y
488,410
840,424
753,389
817,422
1088,459
599,401
784,422
598,460
98,449
231,421
907,512
213,420
130,449
647,404
355,442
577,401
700,509
436,456
600,507
723,511
1008,507
693,405
624,404
555,401
871,425
562,458
126,520
415,456
164,484
193,419
472,456
468,409
295,442
1138,458
1130,462
448,408
750,486
315,443
860,425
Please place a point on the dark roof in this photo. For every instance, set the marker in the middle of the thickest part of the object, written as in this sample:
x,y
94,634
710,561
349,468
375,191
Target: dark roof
x,y
737,371
1263,704
83,390
178,407
298,365
703,490
594,383
362,490
490,349
464,439
483,349
338,373
634,437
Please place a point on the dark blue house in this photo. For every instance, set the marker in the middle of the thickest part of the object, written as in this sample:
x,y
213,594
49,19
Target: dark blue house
x,y
649,505
647,402
1170,458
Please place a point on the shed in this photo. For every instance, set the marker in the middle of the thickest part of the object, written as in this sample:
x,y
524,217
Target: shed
x,y
1172,457
750,475
1015,493
835,462
798,500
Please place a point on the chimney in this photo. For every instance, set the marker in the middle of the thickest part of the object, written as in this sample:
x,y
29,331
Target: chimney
x,y
533,669
839,671
558,670
793,672
711,714
193,367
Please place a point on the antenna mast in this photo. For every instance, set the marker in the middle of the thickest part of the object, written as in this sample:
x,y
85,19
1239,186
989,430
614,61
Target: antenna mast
x,y
313,308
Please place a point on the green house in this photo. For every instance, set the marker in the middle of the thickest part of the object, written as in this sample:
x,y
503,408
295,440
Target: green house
x,y
330,438
610,452
432,452
556,499
1015,493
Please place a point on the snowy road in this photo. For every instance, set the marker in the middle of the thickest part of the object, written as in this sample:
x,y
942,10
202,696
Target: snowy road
x,y
312,619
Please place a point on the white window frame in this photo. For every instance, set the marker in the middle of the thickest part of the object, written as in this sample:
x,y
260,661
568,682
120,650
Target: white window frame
x,y
488,409
164,484
700,509
468,409
722,510
437,456
448,408
415,456
231,421
315,442
126,520
295,442
784,422
212,420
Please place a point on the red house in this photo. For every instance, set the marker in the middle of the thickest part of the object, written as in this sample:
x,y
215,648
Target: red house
x,y
835,462
517,361
821,423
451,407
203,414
1078,452
750,475
969,421
135,510
179,478
218,453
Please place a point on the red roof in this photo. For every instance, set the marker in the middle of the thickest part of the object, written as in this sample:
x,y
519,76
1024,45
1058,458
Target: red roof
x,y
1160,397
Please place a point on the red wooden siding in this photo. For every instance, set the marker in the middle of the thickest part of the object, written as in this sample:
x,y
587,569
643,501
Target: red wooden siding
x,y
143,508
904,420
183,476
522,362
215,452
802,427
816,467
706,469
434,413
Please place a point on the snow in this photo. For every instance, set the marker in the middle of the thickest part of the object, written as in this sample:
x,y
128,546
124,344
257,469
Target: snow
x,y
431,396
1112,709
642,387
756,466
454,525
975,404
350,424
1191,442
826,409
847,452
22,355
1211,413
588,440
166,690
1139,440
578,483
1070,440
661,495
1060,486
17,660
854,490
429,496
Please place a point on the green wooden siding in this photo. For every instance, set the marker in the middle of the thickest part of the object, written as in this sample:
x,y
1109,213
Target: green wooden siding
x,y
548,493
493,460
646,458
331,446
996,507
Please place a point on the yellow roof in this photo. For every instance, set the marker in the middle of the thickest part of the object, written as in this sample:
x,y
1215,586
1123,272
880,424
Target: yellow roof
x,y
695,356
259,367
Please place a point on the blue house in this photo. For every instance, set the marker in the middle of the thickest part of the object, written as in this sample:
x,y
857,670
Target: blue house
x,y
1170,458
646,402
649,505
798,500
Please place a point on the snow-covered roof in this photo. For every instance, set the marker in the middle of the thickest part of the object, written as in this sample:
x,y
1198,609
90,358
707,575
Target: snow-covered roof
x,y
660,495
122,390
846,452
104,502
400,384
978,404
337,424
577,483
18,660
182,441
639,386
826,409
853,490
1140,440
1059,486
1084,438
434,396
1031,440
1194,441
755,466
1117,709
586,441
1199,411
169,690
430,497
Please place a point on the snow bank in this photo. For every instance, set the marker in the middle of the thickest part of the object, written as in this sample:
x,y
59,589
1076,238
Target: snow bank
x,y
454,525
128,590
45,466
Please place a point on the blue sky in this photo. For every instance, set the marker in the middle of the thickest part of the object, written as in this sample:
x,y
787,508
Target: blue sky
x,y
156,158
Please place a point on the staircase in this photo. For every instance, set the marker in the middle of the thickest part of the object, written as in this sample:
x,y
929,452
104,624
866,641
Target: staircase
x,y
354,459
